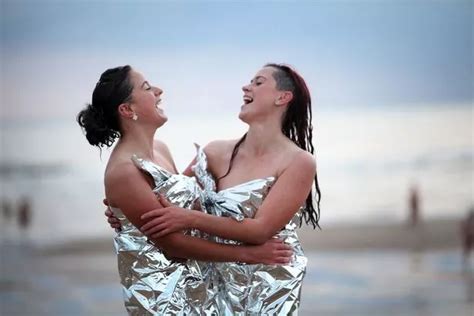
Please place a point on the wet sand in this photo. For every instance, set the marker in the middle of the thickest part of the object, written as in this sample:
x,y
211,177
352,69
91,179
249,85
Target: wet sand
x,y
352,276
429,235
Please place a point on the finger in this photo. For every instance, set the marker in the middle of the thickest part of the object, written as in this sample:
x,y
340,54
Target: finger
x,y
116,226
153,222
105,202
282,260
154,213
284,246
162,233
276,240
155,229
160,204
164,201
108,212
284,253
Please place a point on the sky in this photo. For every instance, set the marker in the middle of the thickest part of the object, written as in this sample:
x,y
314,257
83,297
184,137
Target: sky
x,y
352,53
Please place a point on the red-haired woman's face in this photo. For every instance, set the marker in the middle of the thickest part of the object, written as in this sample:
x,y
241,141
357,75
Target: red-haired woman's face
x,y
260,95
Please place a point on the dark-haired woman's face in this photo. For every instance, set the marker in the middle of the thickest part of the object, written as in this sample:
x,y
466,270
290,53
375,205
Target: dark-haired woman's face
x,y
146,100
260,95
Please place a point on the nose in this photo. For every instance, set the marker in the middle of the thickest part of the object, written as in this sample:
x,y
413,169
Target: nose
x,y
245,88
158,91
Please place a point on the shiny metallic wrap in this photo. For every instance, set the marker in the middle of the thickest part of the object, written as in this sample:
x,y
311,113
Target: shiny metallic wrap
x,y
252,289
152,283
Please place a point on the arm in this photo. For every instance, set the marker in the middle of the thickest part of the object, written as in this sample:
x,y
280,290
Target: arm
x,y
114,222
132,194
283,201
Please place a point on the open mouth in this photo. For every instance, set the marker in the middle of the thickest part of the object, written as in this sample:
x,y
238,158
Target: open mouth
x,y
158,102
247,99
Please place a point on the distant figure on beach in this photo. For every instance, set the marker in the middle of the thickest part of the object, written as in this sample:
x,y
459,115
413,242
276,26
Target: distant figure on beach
x,y
467,234
6,210
7,214
24,214
414,206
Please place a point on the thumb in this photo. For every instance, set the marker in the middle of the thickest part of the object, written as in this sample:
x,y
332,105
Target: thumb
x,y
164,201
105,202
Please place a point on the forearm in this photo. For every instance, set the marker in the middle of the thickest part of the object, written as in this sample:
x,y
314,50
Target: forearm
x,y
183,246
252,231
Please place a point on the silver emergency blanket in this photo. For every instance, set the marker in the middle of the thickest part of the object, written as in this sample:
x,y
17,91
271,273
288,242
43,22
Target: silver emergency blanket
x,y
252,289
152,283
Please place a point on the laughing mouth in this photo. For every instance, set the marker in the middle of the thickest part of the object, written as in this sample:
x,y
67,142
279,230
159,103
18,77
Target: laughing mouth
x,y
157,105
247,99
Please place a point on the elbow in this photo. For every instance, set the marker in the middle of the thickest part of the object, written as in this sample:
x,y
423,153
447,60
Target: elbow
x,y
260,236
169,244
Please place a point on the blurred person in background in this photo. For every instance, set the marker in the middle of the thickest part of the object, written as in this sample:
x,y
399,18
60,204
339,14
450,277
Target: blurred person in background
x,y
467,235
7,214
414,206
24,217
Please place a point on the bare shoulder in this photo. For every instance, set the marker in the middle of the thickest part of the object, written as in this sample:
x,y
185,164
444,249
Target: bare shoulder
x,y
300,160
219,147
305,159
120,171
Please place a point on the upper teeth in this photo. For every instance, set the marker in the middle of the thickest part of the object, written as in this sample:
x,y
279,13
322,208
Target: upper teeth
x,y
247,99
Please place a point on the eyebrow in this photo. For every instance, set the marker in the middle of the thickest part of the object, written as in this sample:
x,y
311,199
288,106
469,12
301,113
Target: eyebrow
x,y
258,77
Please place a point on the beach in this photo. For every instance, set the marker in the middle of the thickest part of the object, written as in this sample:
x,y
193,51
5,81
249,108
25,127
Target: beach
x,y
386,104
357,269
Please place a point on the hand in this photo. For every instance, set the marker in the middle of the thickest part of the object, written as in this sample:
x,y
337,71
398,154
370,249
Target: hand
x,y
111,219
166,220
273,252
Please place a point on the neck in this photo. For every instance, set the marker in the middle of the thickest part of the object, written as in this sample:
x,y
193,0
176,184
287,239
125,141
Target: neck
x,y
139,140
262,137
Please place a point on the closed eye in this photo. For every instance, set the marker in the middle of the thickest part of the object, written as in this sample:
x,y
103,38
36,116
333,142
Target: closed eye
x,y
146,85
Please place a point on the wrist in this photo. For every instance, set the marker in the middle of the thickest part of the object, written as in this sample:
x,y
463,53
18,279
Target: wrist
x,y
247,254
193,219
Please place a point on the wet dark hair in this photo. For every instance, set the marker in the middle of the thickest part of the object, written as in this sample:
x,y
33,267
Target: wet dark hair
x,y
100,120
296,126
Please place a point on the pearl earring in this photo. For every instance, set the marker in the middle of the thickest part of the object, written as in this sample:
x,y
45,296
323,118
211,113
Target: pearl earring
x,y
135,116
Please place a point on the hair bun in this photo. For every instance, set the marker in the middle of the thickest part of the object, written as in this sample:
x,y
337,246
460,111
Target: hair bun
x,y
96,128
100,120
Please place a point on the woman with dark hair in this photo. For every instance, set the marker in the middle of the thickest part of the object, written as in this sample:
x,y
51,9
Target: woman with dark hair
x,y
263,187
155,280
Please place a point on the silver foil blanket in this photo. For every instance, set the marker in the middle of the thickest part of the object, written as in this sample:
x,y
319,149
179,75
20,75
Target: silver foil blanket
x,y
152,283
252,289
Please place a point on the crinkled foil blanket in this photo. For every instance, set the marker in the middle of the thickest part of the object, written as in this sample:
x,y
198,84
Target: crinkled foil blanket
x,y
154,284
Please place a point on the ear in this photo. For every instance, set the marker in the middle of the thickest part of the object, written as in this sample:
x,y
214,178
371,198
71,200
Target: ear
x,y
125,110
284,98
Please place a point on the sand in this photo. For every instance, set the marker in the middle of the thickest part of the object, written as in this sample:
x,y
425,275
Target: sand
x,y
352,270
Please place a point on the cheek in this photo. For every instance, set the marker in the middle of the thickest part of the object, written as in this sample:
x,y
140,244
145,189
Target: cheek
x,y
267,93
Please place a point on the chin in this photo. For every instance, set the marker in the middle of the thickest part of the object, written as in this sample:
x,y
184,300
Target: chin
x,y
163,120
243,116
